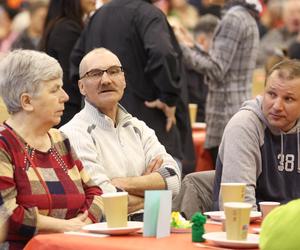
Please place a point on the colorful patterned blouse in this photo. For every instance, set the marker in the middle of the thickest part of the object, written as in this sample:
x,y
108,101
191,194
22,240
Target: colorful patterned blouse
x,y
58,186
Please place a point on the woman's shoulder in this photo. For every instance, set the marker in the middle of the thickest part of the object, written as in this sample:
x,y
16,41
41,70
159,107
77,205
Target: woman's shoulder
x,y
56,135
60,141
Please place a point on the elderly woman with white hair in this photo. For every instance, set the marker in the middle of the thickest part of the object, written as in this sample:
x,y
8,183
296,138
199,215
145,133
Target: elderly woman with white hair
x,y
43,186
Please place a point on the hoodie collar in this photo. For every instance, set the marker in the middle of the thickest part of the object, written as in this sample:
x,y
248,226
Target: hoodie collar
x,y
255,105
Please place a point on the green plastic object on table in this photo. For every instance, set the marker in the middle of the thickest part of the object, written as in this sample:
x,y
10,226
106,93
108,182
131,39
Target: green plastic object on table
x,y
198,221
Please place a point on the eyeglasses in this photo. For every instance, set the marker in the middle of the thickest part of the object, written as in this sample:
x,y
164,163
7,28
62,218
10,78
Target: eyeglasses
x,y
96,74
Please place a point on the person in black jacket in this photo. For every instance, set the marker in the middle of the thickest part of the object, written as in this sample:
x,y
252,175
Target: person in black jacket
x,y
64,23
139,34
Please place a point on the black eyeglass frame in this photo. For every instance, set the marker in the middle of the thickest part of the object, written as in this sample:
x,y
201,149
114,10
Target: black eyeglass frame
x,y
87,74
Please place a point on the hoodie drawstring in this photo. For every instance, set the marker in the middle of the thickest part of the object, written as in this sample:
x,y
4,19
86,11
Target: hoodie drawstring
x,y
281,143
281,163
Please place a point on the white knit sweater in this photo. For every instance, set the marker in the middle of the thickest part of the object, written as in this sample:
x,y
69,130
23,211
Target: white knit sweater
x,y
126,150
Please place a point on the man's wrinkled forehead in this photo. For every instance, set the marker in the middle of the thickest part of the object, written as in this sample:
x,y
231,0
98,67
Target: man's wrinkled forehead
x,y
282,76
102,59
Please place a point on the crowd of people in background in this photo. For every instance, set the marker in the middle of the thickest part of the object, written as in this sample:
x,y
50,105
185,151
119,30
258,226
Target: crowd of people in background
x,y
29,25
205,52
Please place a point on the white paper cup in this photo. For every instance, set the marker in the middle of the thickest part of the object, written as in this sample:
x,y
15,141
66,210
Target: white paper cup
x,y
233,192
116,208
267,206
237,218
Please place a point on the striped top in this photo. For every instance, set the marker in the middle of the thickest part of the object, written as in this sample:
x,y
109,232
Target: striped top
x,y
23,196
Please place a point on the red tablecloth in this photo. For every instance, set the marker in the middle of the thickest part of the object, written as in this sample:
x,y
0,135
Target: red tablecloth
x,y
128,242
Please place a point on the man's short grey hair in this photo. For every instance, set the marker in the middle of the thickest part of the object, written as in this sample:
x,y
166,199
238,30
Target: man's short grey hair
x,y
24,71
83,66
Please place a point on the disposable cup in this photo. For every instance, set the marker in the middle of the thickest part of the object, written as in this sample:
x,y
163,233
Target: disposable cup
x,y
193,112
233,192
237,218
116,209
267,206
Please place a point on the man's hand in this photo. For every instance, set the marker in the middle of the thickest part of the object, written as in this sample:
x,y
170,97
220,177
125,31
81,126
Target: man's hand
x,y
153,165
135,203
121,182
136,185
168,111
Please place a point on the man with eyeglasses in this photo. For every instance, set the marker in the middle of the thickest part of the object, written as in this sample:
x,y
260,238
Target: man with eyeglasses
x,y
139,34
119,151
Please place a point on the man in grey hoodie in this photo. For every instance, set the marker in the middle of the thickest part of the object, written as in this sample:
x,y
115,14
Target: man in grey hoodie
x,y
260,146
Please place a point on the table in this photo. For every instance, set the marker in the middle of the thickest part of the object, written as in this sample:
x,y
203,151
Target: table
x,y
128,242
203,158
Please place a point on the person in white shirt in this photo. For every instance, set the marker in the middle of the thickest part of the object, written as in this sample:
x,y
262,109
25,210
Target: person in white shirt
x,y
119,151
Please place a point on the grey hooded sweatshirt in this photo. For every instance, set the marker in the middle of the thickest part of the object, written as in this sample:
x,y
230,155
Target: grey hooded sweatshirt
x,y
265,158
